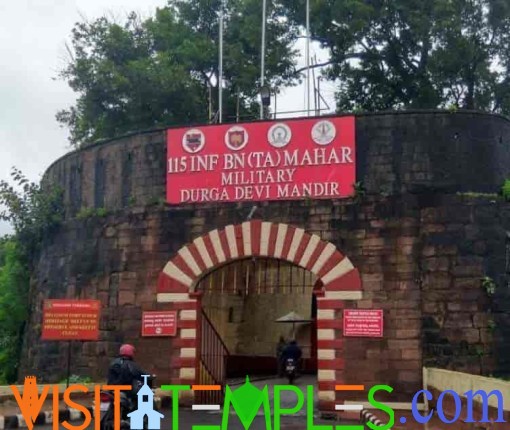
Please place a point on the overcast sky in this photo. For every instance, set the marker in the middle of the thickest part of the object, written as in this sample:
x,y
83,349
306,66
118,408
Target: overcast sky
x,y
32,39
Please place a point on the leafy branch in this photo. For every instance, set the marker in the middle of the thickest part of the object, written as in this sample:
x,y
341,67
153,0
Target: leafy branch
x,y
34,212
359,191
505,190
489,285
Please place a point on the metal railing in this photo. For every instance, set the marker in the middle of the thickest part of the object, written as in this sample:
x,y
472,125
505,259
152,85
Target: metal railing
x,y
213,362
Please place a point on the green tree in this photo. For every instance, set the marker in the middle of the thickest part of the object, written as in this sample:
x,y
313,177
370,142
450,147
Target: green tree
x,y
414,54
35,212
14,287
161,71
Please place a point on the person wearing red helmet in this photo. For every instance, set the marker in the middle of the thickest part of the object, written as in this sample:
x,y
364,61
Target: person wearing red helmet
x,y
124,371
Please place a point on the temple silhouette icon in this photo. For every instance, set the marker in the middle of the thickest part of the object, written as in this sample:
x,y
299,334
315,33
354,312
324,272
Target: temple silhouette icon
x,y
145,408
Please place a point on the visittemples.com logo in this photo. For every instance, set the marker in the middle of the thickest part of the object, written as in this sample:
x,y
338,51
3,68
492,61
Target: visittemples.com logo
x,y
246,401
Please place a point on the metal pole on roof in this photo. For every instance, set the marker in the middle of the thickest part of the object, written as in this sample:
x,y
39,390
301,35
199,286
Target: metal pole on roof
x,y
307,53
220,74
262,55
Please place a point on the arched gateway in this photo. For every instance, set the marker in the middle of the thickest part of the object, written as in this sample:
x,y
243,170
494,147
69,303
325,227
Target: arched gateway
x,y
340,282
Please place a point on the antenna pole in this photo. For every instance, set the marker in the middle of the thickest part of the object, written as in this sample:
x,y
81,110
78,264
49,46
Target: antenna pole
x,y
314,61
220,74
307,53
262,55
319,95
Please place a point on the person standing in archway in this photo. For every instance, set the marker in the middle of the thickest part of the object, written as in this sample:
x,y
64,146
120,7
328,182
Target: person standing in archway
x,y
280,346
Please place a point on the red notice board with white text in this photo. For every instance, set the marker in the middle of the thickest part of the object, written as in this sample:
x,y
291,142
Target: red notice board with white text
x,y
363,322
159,323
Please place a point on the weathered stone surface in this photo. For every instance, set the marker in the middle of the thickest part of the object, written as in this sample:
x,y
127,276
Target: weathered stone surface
x,y
421,250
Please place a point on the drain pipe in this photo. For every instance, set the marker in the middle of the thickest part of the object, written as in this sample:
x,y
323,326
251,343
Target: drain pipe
x,y
425,400
425,386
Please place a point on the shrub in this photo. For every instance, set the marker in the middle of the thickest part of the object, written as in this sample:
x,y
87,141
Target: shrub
x,y
505,190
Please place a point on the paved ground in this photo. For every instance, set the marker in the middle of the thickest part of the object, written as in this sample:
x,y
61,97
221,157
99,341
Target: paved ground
x,y
289,399
188,419
10,407
5,390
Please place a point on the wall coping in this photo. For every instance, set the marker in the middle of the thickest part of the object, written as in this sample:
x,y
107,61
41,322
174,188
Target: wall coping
x,y
443,380
113,140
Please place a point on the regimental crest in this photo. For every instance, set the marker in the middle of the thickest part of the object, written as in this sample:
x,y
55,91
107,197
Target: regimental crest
x,y
279,135
236,138
193,141
323,132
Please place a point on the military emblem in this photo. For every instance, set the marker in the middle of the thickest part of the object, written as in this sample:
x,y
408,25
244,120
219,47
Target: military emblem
x,y
279,135
323,132
236,138
193,141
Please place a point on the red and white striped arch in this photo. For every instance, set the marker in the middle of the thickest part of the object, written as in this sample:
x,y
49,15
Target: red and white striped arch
x,y
341,281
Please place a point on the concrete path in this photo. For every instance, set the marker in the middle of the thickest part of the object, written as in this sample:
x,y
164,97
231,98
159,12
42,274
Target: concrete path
x,y
188,419
288,399
6,390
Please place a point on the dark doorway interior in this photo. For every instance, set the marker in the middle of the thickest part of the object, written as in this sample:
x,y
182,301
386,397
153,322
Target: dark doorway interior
x,y
244,298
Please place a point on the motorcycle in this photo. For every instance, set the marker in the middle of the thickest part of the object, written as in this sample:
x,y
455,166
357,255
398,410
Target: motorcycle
x,y
127,405
106,408
290,369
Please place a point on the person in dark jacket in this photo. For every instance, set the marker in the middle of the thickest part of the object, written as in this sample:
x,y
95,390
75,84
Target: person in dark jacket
x,y
124,371
292,350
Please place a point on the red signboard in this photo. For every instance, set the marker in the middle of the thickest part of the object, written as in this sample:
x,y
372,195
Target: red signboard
x,y
363,322
260,161
71,320
159,323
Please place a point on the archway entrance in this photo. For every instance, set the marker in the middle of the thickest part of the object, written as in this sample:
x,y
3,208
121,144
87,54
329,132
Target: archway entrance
x,y
197,341
244,299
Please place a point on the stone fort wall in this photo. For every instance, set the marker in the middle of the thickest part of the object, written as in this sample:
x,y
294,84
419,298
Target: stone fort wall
x,y
421,240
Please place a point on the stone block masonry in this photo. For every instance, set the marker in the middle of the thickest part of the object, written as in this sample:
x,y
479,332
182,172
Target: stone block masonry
x,y
420,248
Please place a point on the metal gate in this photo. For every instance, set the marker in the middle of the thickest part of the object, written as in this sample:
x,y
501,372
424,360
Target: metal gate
x,y
212,363
258,276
